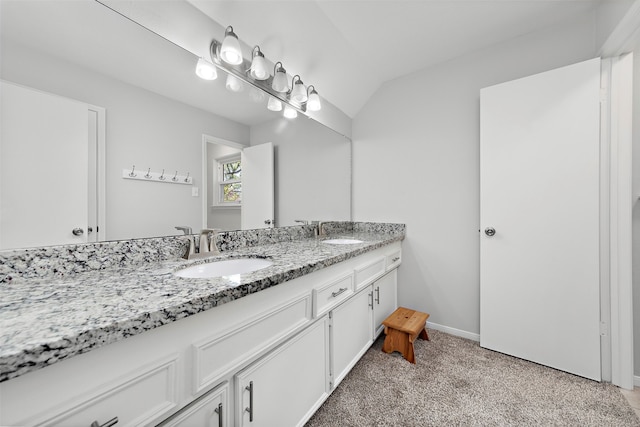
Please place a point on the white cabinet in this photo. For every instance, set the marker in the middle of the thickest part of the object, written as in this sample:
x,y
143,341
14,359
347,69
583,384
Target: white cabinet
x,y
210,410
351,333
285,387
385,299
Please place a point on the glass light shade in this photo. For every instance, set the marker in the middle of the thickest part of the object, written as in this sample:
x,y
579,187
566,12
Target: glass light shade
x,y
274,104
259,68
280,82
206,70
290,113
234,84
298,92
313,103
257,95
230,51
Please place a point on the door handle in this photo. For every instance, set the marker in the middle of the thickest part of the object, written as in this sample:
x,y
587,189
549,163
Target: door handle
x,y
249,409
490,231
77,231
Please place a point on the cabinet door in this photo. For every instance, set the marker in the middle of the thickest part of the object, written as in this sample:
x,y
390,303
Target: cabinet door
x,y
385,299
351,332
285,387
210,410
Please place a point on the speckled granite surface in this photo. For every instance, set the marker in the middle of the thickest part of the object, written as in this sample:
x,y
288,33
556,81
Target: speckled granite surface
x,y
96,297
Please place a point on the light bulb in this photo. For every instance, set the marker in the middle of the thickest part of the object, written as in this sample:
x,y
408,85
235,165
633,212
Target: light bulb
x,y
274,104
230,51
280,83
290,113
313,103
234,84
298,91
258,66
206,70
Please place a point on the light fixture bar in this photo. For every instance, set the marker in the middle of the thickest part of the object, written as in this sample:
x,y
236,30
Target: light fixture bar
x,y
240,71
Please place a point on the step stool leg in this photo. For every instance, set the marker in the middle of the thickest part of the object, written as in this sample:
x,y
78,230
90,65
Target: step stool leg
x,y
424,335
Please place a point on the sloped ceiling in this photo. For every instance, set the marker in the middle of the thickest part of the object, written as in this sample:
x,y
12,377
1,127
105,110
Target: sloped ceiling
x,y
348,48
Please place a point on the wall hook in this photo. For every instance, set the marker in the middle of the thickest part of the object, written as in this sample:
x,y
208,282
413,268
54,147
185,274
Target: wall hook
x,y
162,177
187,178
148,175
133,174
175,177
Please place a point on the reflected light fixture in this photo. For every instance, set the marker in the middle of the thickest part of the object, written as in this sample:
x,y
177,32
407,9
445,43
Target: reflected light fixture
x,y
313,101
274,104
230,51
206,70
298,91
256,95
258,69
234,84
289,112
280,82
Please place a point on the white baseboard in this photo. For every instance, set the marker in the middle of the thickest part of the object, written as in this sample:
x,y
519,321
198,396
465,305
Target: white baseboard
x,y
636,381
454,331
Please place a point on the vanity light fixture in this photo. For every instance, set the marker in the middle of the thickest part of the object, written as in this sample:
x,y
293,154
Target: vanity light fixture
x,y
230,51
280,82
234,84
298,91
206,70
289,112
258,69
313,101
274,104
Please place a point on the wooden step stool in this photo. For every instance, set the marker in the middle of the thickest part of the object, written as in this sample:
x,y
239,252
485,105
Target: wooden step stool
x,y
402,327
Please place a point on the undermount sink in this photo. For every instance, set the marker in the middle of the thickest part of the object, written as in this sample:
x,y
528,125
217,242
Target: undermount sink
x,y
342,241
229,267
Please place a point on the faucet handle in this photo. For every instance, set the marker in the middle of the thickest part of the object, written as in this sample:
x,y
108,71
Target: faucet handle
x,y
185,228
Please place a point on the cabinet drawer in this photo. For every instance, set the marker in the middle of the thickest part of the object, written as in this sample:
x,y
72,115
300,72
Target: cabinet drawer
x,y
140,398
216,356
331,294
211,410
394,259
369,272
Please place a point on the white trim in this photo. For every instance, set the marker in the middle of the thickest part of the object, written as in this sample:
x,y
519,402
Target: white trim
x,y
636,381
623,38
454,331
101,171
620,221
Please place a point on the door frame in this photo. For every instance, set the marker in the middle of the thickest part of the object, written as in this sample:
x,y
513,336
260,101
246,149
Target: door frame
x,y
208,139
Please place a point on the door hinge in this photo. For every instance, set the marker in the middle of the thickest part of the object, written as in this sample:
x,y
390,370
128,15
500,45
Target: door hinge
x,y
604,329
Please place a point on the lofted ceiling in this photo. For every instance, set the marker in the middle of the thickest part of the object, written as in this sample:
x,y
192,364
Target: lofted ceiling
x,y
348,48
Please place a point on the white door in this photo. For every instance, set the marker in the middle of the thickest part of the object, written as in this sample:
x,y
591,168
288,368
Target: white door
x,y
257,187
43,168
385,291
539,186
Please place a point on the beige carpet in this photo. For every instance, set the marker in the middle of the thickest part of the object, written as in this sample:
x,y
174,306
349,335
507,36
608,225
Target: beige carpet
x,y
457,383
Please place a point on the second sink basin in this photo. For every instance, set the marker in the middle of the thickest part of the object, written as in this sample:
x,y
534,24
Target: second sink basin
x,y
227,267
342,241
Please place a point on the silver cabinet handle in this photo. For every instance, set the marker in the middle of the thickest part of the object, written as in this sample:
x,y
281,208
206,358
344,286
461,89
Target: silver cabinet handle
x,y
371,303
77,231
109,423
490,231
338,292
378,295
250,408
218,411
395,259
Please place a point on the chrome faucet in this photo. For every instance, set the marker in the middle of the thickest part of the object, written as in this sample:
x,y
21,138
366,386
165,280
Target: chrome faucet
x,y
186,229
208,241
319,228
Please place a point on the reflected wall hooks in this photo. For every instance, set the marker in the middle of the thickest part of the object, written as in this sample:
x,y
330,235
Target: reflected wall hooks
x,y
157,176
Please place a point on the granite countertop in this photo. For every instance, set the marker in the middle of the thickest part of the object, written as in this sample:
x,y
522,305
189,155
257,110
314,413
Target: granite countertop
x,y
45,320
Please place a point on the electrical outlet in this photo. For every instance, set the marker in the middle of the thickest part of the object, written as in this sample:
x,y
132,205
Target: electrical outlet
x,y
194,191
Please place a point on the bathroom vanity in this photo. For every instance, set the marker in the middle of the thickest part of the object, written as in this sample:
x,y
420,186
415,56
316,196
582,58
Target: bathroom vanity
x,y
147,347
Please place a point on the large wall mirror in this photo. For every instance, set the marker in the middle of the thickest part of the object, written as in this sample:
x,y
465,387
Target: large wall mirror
x,y
144,107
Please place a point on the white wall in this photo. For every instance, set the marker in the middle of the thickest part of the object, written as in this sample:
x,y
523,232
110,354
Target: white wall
x,y
416,161
143,129
313,170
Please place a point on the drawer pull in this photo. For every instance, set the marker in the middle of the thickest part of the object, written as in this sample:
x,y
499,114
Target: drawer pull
x,y
250,408
395,259
378,295
109,423
338,292
371,296
218,411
